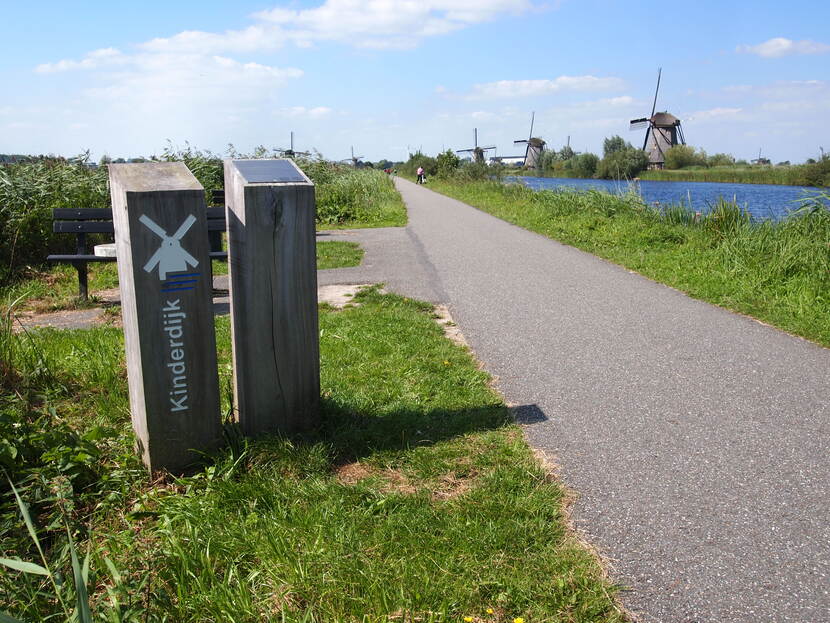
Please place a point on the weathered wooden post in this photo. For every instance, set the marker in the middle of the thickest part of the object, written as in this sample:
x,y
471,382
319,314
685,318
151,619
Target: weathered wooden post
x,y
158,210
273,288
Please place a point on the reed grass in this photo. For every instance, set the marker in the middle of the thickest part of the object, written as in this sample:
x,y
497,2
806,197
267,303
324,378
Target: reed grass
x,y
346,197
796,175
776,272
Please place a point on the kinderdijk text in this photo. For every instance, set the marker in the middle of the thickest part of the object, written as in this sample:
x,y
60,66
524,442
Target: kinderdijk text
x,y
173,319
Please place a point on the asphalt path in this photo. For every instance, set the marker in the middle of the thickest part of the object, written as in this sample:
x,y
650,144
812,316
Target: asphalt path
x,y
696,439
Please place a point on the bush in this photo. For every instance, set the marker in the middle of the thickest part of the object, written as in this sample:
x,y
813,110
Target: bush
x,y
623,164
446,164
720,160
613,145
680,156
585,165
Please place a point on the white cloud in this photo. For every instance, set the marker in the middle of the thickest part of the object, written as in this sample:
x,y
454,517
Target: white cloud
x,y
93,60
317,112
527,88
385,23
779,46
714,113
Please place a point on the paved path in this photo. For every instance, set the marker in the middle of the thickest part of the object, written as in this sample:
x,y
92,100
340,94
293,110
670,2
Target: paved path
x,y
697,439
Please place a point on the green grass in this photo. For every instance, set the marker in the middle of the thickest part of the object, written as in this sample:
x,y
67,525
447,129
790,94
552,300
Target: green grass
x,y
416,500
338,254
359,198
776,272
57,288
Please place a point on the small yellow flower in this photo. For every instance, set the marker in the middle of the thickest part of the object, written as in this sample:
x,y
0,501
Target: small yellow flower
x,y
518,620
468,619
489,611
446,363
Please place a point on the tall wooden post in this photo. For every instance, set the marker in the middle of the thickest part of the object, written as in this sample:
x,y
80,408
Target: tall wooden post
x,y
158,210
273,288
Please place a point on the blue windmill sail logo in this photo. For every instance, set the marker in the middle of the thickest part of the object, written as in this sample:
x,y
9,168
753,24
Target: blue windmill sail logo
x,y
170,257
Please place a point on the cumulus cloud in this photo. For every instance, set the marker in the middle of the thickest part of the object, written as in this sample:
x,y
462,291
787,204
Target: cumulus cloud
x,y
779,46
526,88
384,24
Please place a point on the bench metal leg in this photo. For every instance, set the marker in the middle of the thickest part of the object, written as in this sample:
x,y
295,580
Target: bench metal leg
x,y
83,284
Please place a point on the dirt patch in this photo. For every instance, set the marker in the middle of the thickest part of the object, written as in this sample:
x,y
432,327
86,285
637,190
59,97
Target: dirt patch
x,y
393,480
451,486
447,487
340,295
451,330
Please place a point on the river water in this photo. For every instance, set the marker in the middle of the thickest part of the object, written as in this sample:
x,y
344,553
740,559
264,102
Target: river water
x,y
763,201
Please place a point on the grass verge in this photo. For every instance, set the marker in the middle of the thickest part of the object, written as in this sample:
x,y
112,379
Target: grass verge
x,y
57,288
776,272
417,499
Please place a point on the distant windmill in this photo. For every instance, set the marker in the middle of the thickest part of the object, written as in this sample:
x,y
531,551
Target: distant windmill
x,y
478,152
663,131
535,147
354,160
290,153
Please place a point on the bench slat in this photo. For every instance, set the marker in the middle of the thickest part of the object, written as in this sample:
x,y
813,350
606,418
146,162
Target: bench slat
x,y
82,214
82,227
105,214
74,259
214,255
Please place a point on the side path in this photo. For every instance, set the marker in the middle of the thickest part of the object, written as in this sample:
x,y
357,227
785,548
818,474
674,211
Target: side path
x,y
698,440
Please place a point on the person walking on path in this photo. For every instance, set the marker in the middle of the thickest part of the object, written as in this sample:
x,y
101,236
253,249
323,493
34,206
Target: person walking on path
x,y
421,176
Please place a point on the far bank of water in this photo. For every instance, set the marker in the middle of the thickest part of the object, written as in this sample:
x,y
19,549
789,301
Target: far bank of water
x,y
763,201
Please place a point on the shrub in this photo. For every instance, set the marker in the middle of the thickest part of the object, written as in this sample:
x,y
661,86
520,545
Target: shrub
x,y
623,164
614,144
720,160
446,164
680,156
585,165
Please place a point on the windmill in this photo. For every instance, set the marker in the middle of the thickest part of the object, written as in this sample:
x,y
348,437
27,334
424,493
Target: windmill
x,y
535,147
662,132
477,152
290,153
354,160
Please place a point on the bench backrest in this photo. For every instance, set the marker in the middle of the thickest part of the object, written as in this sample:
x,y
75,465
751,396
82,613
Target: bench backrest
x,y
99,220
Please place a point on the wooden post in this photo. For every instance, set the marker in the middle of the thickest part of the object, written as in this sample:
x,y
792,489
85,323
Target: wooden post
x,y
158,211
273,288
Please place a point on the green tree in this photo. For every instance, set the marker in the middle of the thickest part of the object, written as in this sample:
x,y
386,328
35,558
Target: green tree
x,y
623,164
680,156
566,153
614,144
720,160
585,165
446,164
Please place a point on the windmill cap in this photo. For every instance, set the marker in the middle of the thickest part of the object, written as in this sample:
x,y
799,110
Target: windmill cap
x,y
665,119
536,142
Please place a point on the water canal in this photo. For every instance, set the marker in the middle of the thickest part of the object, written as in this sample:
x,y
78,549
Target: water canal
x,y
763,201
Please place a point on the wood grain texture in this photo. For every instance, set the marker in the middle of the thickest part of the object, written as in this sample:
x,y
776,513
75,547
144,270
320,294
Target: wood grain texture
x,y
169,356
273,288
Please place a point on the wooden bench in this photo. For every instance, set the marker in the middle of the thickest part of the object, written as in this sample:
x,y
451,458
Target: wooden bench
x,y
83,221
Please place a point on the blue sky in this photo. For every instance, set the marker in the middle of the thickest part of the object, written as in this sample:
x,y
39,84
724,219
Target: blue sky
x,y
391,77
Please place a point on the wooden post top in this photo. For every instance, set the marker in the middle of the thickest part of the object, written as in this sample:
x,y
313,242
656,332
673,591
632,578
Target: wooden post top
x,y
141,177
273,171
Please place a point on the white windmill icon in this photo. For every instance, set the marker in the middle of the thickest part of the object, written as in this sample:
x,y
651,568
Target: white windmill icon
x,y
170,257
